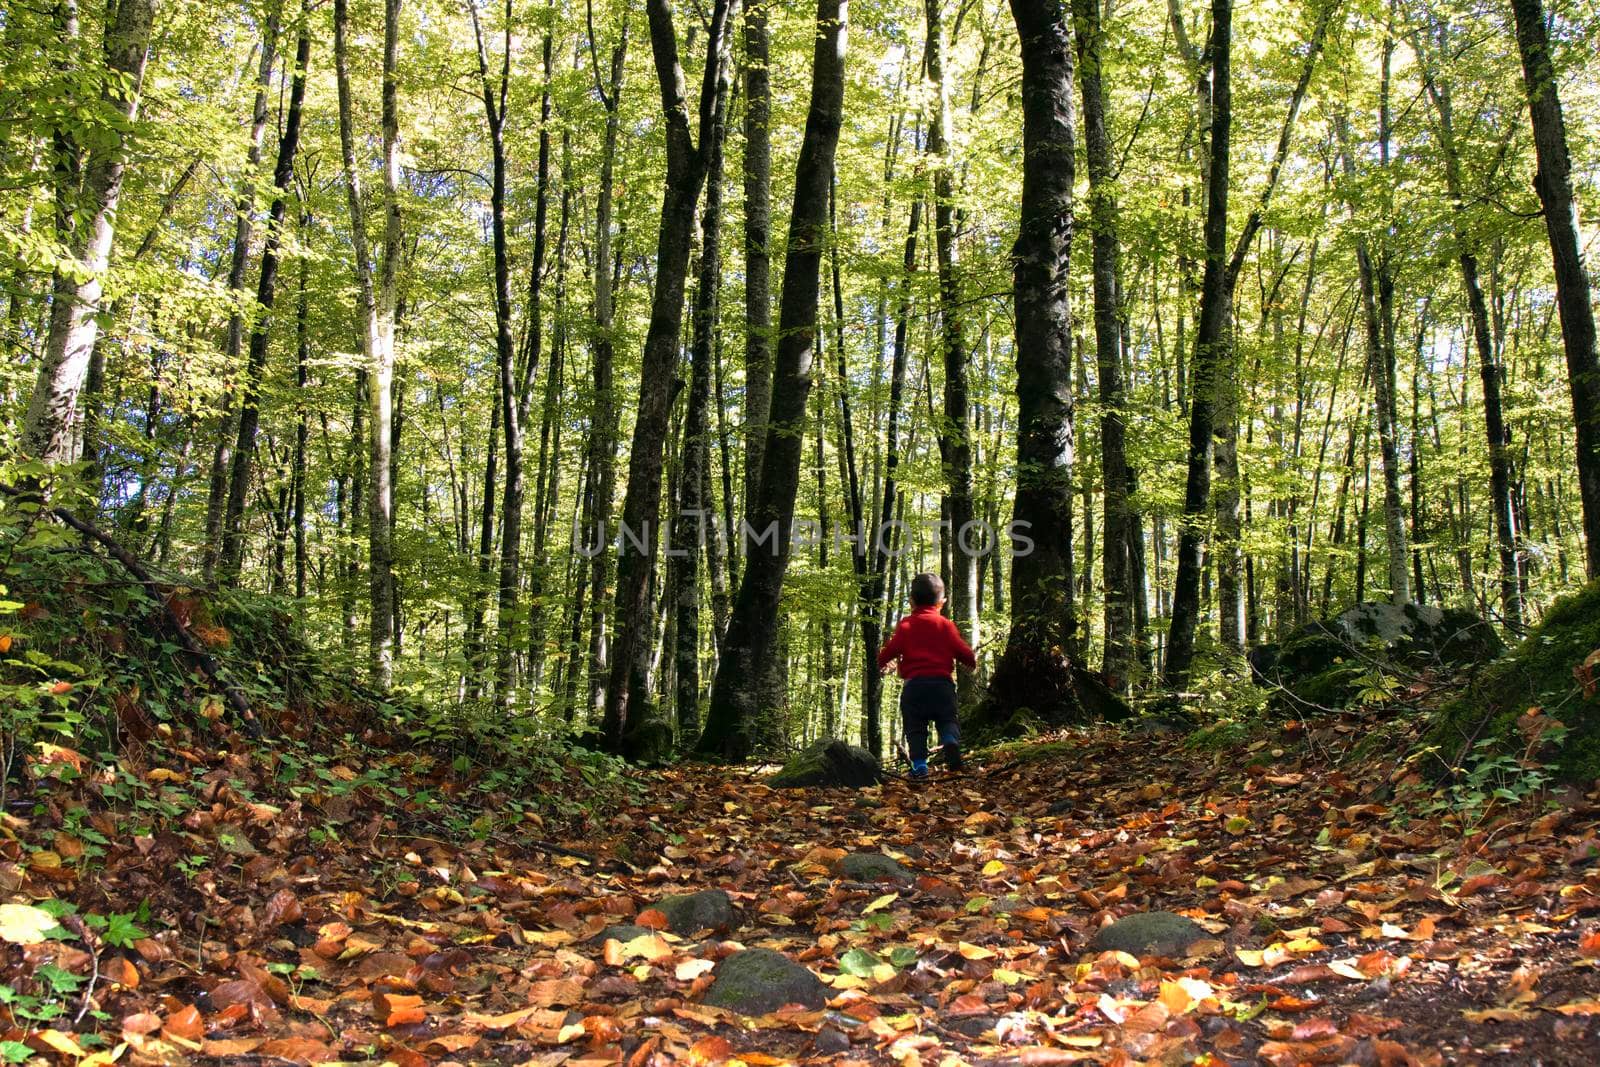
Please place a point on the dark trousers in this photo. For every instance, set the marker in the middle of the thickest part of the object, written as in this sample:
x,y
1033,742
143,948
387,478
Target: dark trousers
x,y
924,701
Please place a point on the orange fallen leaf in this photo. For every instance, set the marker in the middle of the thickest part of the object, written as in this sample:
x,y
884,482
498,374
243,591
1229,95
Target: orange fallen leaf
x,y
398,1009
185,1023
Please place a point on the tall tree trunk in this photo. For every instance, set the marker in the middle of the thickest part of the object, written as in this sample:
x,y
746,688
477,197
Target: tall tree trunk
x,y
1121,526
1044,612
695,515
955,436
244,216
50,429
602,444
377,313
1553,182
733,725
261,334
757,257
1211,353
688,155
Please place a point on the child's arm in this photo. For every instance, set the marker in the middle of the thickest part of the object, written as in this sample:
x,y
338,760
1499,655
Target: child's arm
x,y
891,650
961,650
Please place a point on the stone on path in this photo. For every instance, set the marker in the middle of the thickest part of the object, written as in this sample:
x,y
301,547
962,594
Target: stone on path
x,y
1149,933
623,932
870,867
759,980
829,762
689,913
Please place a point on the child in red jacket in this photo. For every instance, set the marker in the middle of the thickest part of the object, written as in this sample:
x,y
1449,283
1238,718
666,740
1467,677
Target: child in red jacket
x,y
928,646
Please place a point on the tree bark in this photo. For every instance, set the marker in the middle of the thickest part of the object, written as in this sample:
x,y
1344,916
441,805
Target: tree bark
x,y
1044,613
1120,524
687,158
733,722
1553,182
50,426
757,257
228,567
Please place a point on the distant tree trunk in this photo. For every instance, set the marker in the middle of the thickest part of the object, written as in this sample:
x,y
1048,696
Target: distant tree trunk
x,y
302,381
50,429
1121,526
695,515
955,436
1211,351
602,444
688,155
376,314
1553,182
733,721
757,258
1044,614
1490,373
244,214
228,567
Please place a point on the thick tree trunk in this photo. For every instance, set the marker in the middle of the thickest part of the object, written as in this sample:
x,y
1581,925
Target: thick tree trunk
x,y
687,159
232,556
1553,182
1044,614
50,429
733,723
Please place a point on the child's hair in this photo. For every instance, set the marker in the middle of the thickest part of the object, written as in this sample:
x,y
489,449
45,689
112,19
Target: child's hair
x,y
926,590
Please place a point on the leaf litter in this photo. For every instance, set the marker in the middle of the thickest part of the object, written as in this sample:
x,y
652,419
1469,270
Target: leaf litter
x,y
272,925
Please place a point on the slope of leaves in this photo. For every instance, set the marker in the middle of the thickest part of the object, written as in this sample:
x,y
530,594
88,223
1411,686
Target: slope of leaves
x,y
334,902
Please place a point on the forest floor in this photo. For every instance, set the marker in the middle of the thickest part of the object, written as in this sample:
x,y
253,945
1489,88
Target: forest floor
x,y
1350,920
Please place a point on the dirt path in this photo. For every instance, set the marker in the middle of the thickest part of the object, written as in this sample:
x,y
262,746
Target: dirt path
x,y
1338,928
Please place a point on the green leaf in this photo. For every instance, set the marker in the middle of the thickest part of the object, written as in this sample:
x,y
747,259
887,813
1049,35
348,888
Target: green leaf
x,y
858,962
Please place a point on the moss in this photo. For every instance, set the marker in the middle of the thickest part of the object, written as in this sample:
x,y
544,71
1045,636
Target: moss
x,y
1538,673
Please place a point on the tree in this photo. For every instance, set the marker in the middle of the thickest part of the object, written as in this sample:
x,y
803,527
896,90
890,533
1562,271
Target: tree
x,y
1044,611
688,156
249,416
1553,183
733,719
376,314
86,224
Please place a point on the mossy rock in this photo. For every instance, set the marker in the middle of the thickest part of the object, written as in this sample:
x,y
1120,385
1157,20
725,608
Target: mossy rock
x,y
1323,666
870,867
829,762
759,980
689,913
1537,673
1149,933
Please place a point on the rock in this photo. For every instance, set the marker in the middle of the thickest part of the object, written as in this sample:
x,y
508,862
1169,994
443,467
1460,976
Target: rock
x,y
689,913
870,867
829,762
830,1041
759,980
623,932
1149,933
1324,665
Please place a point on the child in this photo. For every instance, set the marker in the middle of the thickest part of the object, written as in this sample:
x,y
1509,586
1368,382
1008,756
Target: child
x,y
928,646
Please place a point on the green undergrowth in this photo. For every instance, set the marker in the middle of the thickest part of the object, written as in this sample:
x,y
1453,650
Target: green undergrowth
x,y
98,691
1545,671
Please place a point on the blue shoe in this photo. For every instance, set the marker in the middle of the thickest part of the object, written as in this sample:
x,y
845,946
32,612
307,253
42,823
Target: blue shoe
x,y
919,772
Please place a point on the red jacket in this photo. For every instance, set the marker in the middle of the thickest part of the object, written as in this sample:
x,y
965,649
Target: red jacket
x,y
928,645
